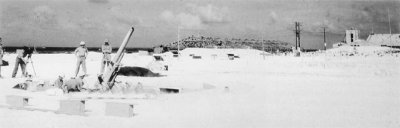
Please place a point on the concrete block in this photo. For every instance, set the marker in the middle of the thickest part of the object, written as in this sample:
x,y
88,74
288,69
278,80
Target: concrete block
x,y
166,67
196,57
119,109
297,54
17,101
158,58
214,55
175,53
158,50
208,86
231,56
74,107
143,53
170,90
226,89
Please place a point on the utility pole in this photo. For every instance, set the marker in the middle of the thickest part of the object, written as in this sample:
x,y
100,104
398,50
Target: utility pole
x,y
262,44
324,37
390,28
178,40
297,32
372,29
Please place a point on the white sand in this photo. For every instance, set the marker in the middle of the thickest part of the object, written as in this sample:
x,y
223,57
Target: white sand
x,y
280,91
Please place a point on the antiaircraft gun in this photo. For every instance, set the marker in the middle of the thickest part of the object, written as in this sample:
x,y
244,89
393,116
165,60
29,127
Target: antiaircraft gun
x,y
108,78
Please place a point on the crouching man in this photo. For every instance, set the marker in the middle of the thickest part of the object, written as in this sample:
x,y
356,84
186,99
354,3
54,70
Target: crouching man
x,y
73,85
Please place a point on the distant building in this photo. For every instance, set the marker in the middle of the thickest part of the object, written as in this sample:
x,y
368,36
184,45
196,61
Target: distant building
x,y
351,36
352,39
392,40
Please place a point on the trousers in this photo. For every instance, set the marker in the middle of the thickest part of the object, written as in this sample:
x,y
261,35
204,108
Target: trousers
x,y
81,61
22,64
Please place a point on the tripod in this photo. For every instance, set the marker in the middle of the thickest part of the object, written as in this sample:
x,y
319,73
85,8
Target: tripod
x,y
33,67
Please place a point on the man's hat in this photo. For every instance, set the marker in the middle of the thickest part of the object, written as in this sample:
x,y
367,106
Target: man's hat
x,y
82,43
106,40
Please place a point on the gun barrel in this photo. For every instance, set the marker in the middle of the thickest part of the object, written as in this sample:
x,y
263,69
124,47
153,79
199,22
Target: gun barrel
x,y
123,45
108,76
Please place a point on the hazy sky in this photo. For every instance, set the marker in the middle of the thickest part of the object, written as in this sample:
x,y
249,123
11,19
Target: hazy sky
x,y
67,22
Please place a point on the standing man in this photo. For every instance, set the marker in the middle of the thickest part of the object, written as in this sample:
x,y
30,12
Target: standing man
x,y
106,49
21,60
1,55
81,53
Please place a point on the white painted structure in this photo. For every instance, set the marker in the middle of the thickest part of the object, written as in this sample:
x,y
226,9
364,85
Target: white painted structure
x,y
352,35
384,39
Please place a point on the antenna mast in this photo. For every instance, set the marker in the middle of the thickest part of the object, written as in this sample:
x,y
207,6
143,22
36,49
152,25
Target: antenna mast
x,y
178,40
390,28
324,37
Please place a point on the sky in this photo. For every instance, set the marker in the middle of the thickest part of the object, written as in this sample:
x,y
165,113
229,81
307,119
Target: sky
x,y
64,23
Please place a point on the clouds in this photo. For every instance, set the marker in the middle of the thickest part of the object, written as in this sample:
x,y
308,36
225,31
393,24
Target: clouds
x,y
376,14
45,17
364,16
210,14
197,17
124,16
65,21
98,1
57,23
184,20
273,18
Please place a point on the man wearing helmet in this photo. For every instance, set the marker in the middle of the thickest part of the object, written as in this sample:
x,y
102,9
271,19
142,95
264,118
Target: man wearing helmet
x,y
81,53
106,49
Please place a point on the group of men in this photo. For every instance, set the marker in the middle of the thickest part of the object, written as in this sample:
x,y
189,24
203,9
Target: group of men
x,y
82,52
24,56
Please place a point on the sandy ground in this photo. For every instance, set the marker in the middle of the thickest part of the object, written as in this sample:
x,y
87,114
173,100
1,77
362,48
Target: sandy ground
x,y
279,91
